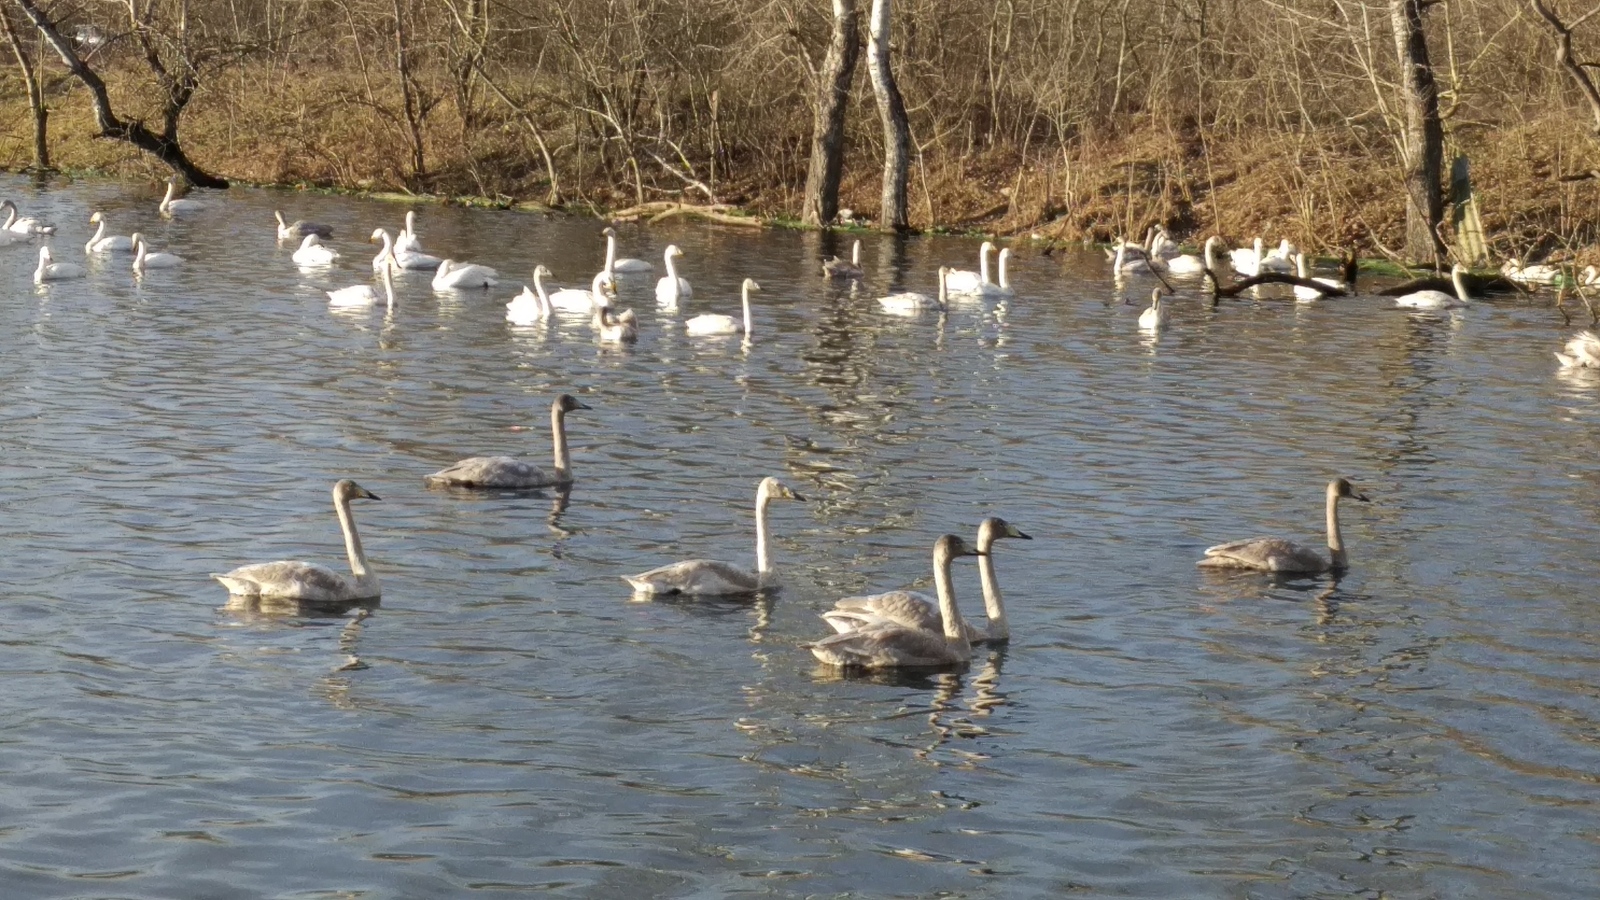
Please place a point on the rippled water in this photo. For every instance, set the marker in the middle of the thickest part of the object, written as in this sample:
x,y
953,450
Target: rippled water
x,y
507,720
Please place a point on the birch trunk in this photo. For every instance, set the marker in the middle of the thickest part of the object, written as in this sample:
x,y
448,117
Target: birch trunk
x,y
827,124
896,128
1422,146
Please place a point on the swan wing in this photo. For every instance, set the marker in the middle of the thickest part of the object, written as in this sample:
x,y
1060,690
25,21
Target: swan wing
x,y
1583,351
1268,554
713,323
963,281
905,302
910,609
292,580
493,472
1427,300
355,295
696,576
886,647
632,267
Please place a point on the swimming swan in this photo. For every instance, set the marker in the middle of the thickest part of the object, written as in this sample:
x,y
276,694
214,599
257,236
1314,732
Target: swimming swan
x,y
309,582
1154,318
671,289
888,645
143,259
1531,274
1583,352
510,473
364,294
311,252
408,239
530,306
1278,555
299,228
172,205
1247,260
613,327
54,271
400,259
704,577
837,268
909,302
966,281
624,266
1189,264
29,225
1439,299
1124,263
717,323
453,276
915,609
106,243
578,300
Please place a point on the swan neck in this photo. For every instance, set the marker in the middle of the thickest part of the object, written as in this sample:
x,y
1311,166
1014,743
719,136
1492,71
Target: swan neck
x,y
352,540
1459,282
1335,537
954,627
983,266
745,299
855,254
993,605
611,252
672,273
558,438
99,232
763,562
1005,281
538,290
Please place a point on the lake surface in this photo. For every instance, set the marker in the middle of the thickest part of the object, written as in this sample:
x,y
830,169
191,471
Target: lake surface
x,y
510,721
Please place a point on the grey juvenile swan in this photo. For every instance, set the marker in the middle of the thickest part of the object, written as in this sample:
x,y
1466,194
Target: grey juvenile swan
x,y
915,609
1270,554
294,580
889,645
711,578
508,472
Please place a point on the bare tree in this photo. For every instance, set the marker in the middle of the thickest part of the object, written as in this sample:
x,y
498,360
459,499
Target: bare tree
x,y
832,92
1422,150
30,80
894,215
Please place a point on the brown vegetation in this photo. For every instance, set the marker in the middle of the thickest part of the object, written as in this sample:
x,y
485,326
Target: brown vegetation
x,y
1064,117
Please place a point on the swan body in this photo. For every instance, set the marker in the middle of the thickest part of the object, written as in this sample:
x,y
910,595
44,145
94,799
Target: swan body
x,y
407,239
1126,264
452,275
887,644
671,289
1583,352
1189,264
1533,274
309,582
1589,277
27,225
612,327
914,609
1280,260
1439,299
992,291
1271,554
910,302
299,228
54,271
1247,260
581,301
400,258
624,266
530,306
510,473
311,252
364,294
1154,318
838,269
966,281
705,577
1161,246
143,259
173,205
717,323
106,243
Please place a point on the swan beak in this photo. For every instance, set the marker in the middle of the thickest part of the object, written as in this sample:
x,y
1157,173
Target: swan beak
x,y
1362,497
366,494
581,405
792,494
1014,531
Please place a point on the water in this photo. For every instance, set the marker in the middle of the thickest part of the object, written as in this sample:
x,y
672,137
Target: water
x,y
508,721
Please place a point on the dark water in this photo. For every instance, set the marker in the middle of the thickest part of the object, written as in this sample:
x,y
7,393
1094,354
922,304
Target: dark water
x,y
508,721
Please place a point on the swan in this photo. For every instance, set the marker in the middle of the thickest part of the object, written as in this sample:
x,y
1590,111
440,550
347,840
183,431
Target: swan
x,y
530,306
1189,264
400,259
144,259
300,228
671,289
172,205
887,644
1589,277
839,269
509,472
364,294
1280,260
1278,555
717,323
29,225
106,243
909,302
1534,274
1161,246
993,291
1154,318
966,281
1247,260
312,253
915,609
1439,299
456,276
1583,352
624,266
613,327
1125,264
54,271
309,582
407,239
579,300
708,577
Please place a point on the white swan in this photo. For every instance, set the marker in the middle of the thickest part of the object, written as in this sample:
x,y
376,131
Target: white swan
x,y
143,259
993,291
54,271
1126,264
1280,260
1589,277
966,281
1154,318
1247,260
1431,299
717,323
612,327
408,239
1278,555
28,225
626,265
364,294
1583,352
106,243
709,577
889,645
312,253
908,303
837,268
309,582
463,276
172,205
300,228
671,289
1162,246
915,609
530,306
510,473
1532,274
578,300
1189,264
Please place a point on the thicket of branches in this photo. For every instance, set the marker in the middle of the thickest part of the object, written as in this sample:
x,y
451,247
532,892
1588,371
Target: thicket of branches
x,y
1091,113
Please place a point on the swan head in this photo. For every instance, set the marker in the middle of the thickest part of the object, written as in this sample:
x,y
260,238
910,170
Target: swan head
x,y
1155,297
672,250
567,403
773,489
542,271
96,218
608,232
950,546
1341,487
994,528
750,285
345,489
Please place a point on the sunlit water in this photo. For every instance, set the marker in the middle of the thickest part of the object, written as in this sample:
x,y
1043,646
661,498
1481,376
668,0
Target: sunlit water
x,y
507,720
